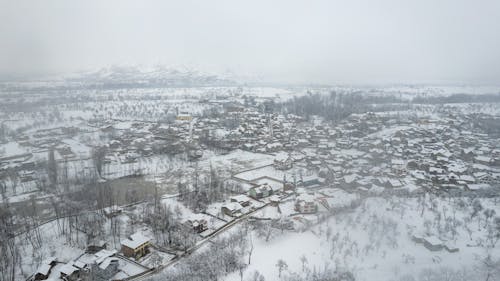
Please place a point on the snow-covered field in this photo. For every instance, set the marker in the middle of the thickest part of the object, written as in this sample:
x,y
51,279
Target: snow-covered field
x,y
375,241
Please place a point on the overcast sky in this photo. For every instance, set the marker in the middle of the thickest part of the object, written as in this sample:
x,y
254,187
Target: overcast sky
x,y
327,41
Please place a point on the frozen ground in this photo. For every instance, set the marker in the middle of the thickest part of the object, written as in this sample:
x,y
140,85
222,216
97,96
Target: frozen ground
x,y
375,241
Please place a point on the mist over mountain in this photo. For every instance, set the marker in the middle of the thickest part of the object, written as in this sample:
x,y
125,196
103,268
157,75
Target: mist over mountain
x,y
156,76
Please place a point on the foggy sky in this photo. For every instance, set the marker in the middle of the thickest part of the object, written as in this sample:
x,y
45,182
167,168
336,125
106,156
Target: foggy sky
x,y
281,40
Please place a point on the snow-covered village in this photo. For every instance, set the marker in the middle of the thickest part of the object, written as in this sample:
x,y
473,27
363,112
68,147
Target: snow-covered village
x,y
115,186
302,145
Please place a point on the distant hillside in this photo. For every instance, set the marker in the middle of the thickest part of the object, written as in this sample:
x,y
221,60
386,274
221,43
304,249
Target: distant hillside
x,y
116,77
158,76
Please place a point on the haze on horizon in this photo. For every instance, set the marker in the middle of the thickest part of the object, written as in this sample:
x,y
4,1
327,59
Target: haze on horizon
x,y
282,41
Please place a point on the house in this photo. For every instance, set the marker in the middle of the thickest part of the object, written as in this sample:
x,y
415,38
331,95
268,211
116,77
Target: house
x,y
44,269
232,209
398,166
232,107
273,146
467,178
42,272
105,266
302,142
389,182
260,191
105,270
350,180
69,272
432,243
184,116
65,152
450,247
197,223
99,266
283,162
483,160
137,245
114,144
112,211
96,246
306,204
478,186
26,176
309,181
249,146
243,200
274,200
195,154
288,186
484,177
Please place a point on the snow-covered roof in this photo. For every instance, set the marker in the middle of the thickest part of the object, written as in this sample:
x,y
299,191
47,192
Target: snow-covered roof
x,y
457,168
103,254
135,240
397,162
305,197
106,262
418,175
274,145
468,150
395,182
282,157
433,240
483,158
480,174
49,260
350,178
310,178
443,151
478,186
274,198
233,206
240,198
196,217
43,269
262,187
467,178
68,269
79,264
435,170
481,167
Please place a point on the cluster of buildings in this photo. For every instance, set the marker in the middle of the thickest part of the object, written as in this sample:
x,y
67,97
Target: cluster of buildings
x,y
99,263
375,153
317,166
371,152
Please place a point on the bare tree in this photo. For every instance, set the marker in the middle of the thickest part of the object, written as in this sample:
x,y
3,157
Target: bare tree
x,y
52,168
489,268
281,265
98,155
10,256
303,260
257,276
250,250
